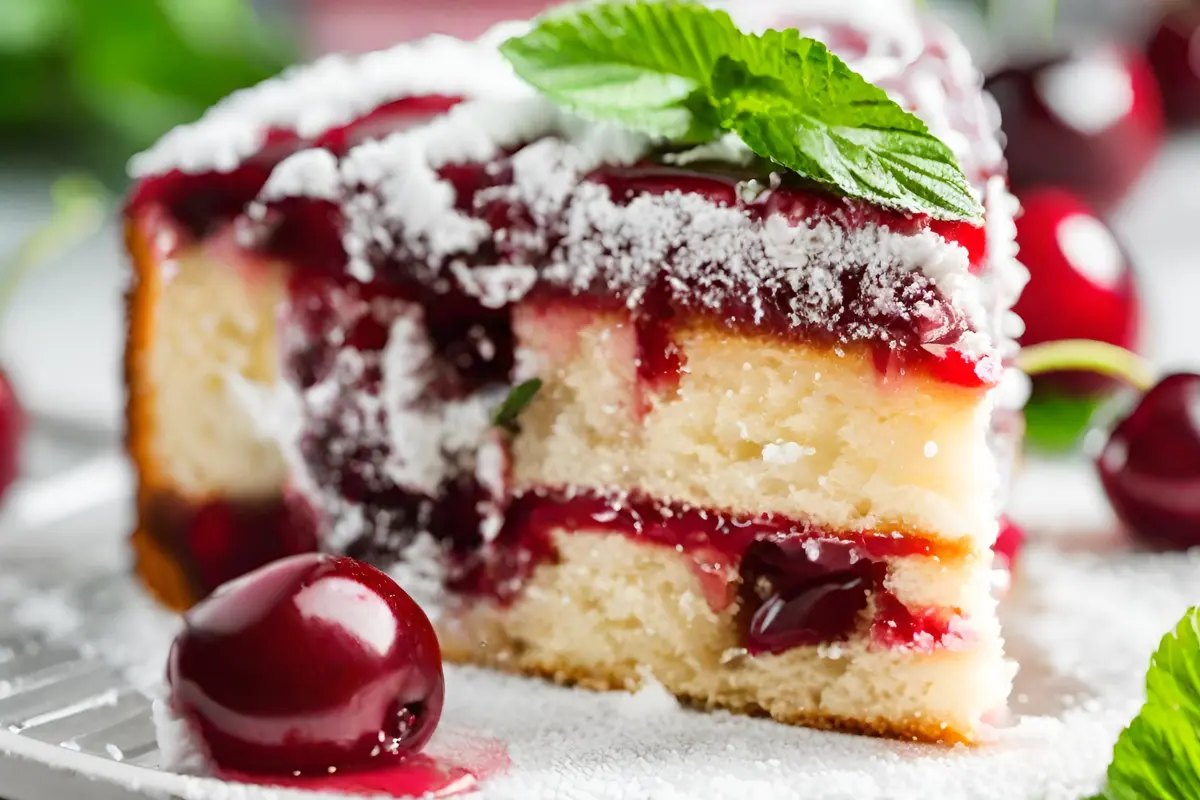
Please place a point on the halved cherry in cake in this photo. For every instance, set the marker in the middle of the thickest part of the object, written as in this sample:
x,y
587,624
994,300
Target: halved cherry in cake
x,y
311,664
1174,52
1091,121
798,593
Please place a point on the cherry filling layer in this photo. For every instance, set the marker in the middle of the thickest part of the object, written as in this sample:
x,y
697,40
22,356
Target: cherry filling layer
x,y
794,583
916,330
800,585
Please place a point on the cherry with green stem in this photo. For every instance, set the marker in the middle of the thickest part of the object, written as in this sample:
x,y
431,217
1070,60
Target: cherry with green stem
x,y
1149,463
79,208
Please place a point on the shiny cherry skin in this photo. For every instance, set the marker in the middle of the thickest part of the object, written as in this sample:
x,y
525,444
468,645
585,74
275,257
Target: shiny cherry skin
x,y
12,434
1081,283
1150,464
310,664
1091,122
1174,53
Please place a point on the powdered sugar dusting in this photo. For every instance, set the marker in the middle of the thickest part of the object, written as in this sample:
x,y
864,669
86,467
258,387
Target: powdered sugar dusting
x,y
333,91
396,201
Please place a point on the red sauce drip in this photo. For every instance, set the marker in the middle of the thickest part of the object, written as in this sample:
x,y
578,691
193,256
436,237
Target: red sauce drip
x,y
416,776
799,586
659,359
923,629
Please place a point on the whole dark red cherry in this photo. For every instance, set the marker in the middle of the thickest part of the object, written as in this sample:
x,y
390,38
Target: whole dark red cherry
x,y
1091,121
1174,53
1150,464
12,434
1081,284
311,664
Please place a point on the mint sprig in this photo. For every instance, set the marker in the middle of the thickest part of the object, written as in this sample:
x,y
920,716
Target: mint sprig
x,y
1158,756
681,71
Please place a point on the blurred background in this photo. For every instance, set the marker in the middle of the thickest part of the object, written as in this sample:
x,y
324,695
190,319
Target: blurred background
x,y
1099,97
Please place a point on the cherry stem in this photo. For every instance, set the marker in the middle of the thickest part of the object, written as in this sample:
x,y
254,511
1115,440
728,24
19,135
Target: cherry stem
x,y
1085,355
80,205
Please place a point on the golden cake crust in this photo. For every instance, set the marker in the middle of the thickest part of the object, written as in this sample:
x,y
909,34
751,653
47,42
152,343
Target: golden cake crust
x,y
159,569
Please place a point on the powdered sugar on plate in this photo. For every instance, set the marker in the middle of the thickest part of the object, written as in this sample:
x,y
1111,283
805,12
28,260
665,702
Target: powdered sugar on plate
x,y
1083,617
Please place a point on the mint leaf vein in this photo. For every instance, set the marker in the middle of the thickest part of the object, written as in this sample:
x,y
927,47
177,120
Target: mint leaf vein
x,y
682,71
1158,756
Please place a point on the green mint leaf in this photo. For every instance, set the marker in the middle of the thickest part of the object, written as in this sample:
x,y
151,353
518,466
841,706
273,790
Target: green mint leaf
x,y
645,65
1158,756
796,103
518,399
682,71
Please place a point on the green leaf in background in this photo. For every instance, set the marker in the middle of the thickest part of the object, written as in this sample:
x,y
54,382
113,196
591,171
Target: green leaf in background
x,y
1055,421
684,72
95,80
31,24
1158,756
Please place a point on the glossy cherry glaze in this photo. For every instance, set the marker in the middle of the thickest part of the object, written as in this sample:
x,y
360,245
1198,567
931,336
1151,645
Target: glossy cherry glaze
x,y
1174,53
309,664
414,776
803,593
12,434
1081,283
459,766
1091,122
1150,464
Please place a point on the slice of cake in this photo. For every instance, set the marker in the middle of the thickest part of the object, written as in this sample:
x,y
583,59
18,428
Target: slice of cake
x,y
616,409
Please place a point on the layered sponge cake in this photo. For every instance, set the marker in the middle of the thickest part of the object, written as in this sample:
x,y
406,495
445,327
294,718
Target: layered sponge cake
x,y
613,410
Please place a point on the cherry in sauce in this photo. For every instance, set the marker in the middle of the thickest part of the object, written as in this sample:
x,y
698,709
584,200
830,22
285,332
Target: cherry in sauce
x,y
798,593
1150,464
310,665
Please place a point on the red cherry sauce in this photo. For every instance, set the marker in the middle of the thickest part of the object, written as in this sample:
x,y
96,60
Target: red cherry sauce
x,y
446,768
311,665
799,585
